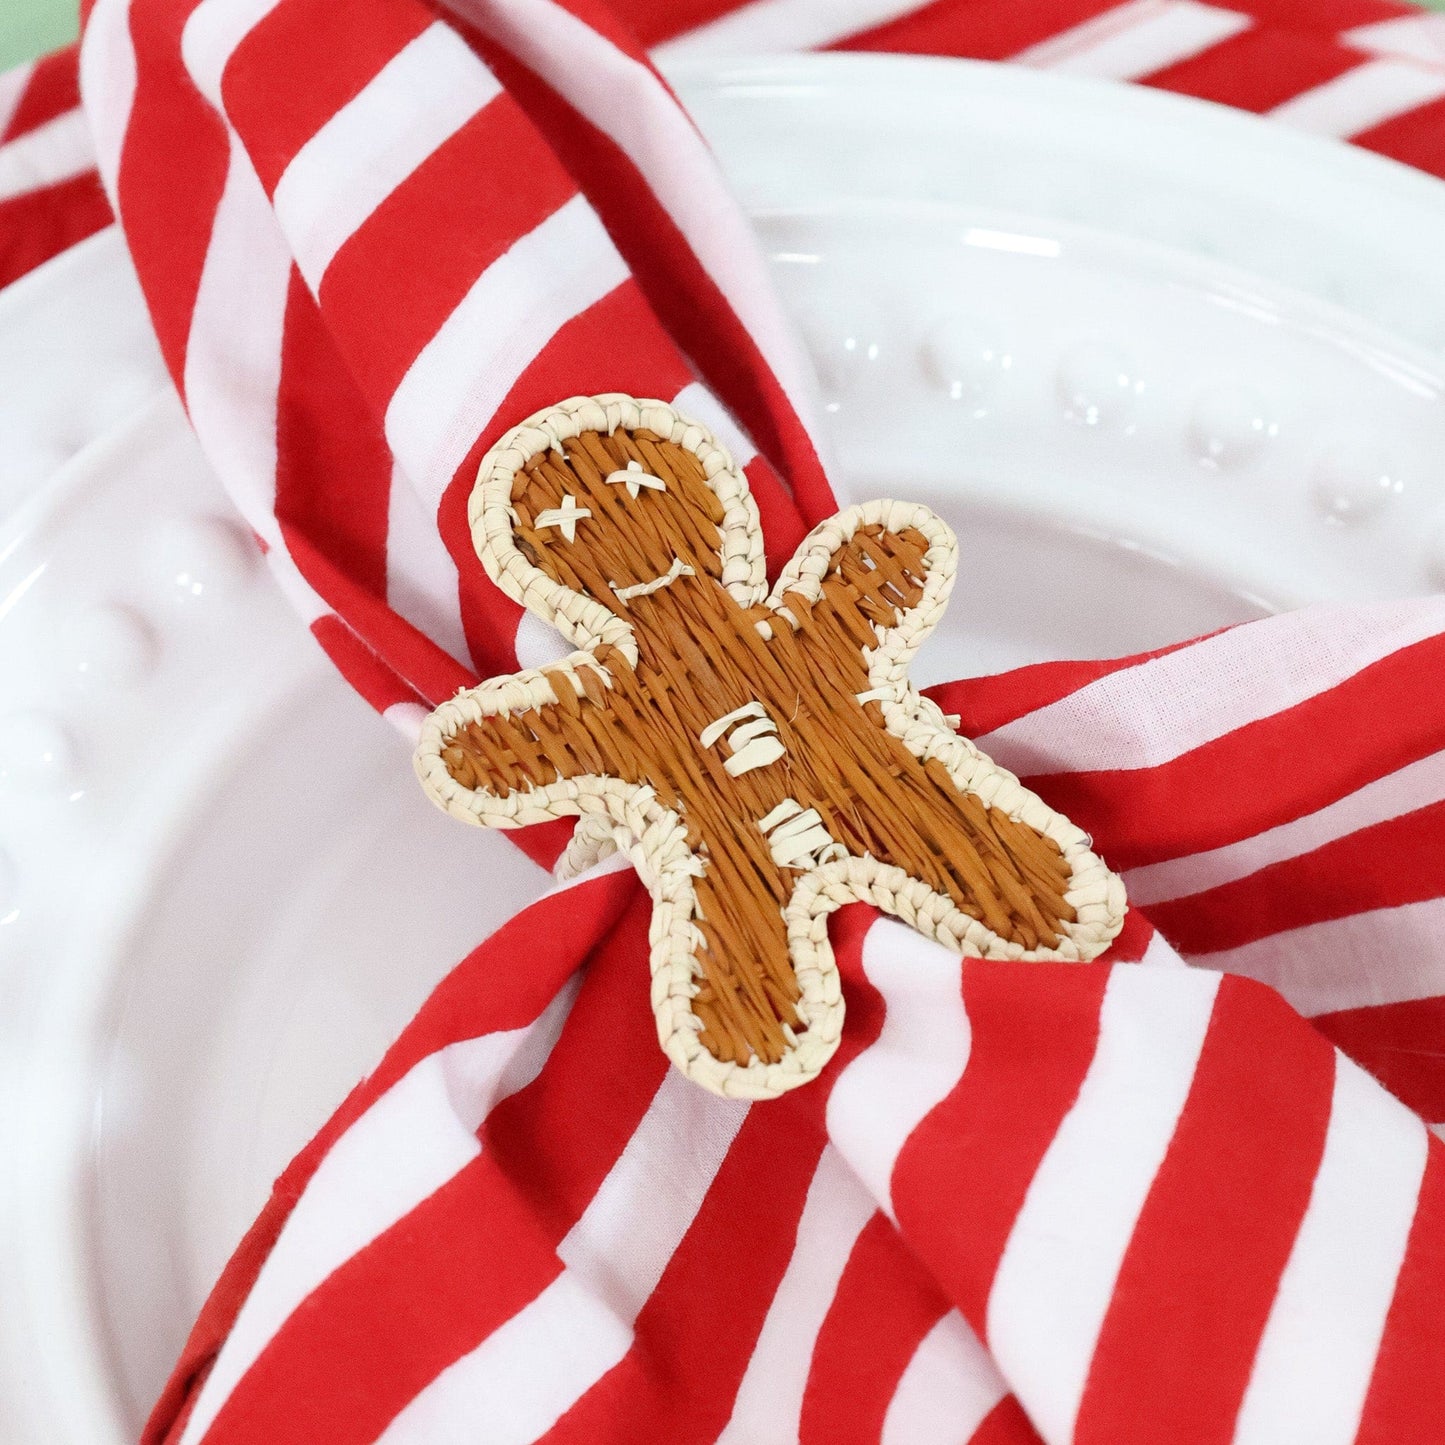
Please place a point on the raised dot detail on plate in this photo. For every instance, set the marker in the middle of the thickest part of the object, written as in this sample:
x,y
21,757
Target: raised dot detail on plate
x,y
36,753
846,347
1229,425
1352,481
964,359
112,644
203,556
1097,384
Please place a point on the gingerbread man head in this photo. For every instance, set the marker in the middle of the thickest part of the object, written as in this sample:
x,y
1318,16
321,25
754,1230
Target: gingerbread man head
x,y
761,758
607,512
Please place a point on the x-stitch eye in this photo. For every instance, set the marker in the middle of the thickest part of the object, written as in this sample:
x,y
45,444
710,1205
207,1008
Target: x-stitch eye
x,y
635,477
564,517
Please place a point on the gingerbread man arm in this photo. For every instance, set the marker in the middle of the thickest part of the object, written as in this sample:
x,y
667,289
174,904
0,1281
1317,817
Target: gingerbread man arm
x,y
860,596
526,748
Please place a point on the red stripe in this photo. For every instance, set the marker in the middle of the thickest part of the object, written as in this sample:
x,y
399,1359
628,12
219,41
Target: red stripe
x,y
986,703
1268,772
1417,138
393,1317
485,992
333,488
377,684
961,1178
301,64
1326,17
981,29
1216,1230
53,89
1133,940
759,1193
333,467
408,267
172,172
1394,863
1006,1424
763,1182
676,284
434,1286
615,345
1401,1044
783,526
488,992
41,224
1406,1401
382,655
885,1305
1259,68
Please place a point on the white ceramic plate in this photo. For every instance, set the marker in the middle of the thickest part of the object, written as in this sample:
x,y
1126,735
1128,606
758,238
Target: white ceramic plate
x,y
1154,396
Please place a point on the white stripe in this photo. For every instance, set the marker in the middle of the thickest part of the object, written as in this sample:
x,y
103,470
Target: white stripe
x,y
777,26
915,1062
518,304
1389,955
1413,37
421,578
1151,713
56,151
1418,785
107,83
1160,951
1317,1354
408,718
233,354
538,643
211,36
426,93
769,1404
630,105
233,364
1363,97
13,84
531,1370
1057,1275
616,862
947,1389
1135,39
697,402
411,1141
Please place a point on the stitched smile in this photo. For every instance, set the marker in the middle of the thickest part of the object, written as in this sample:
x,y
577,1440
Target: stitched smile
x,y
678,569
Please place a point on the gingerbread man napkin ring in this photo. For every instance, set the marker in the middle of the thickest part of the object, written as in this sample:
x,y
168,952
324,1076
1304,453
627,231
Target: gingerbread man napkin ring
x,y
761,757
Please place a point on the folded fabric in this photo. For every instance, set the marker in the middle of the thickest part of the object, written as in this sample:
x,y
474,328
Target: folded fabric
x,y
371,240
1365,71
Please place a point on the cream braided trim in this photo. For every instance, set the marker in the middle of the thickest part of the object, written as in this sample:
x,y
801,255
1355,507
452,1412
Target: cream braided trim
x,y
583,621
521,692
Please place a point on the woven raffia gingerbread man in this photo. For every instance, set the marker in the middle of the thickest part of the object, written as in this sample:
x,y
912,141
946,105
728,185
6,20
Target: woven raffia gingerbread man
x,y
761,758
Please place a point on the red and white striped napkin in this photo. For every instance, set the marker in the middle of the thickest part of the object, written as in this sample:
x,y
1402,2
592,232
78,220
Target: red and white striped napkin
x,y
1125,1201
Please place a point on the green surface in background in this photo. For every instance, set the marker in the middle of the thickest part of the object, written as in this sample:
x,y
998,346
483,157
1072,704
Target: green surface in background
x,y
30,27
